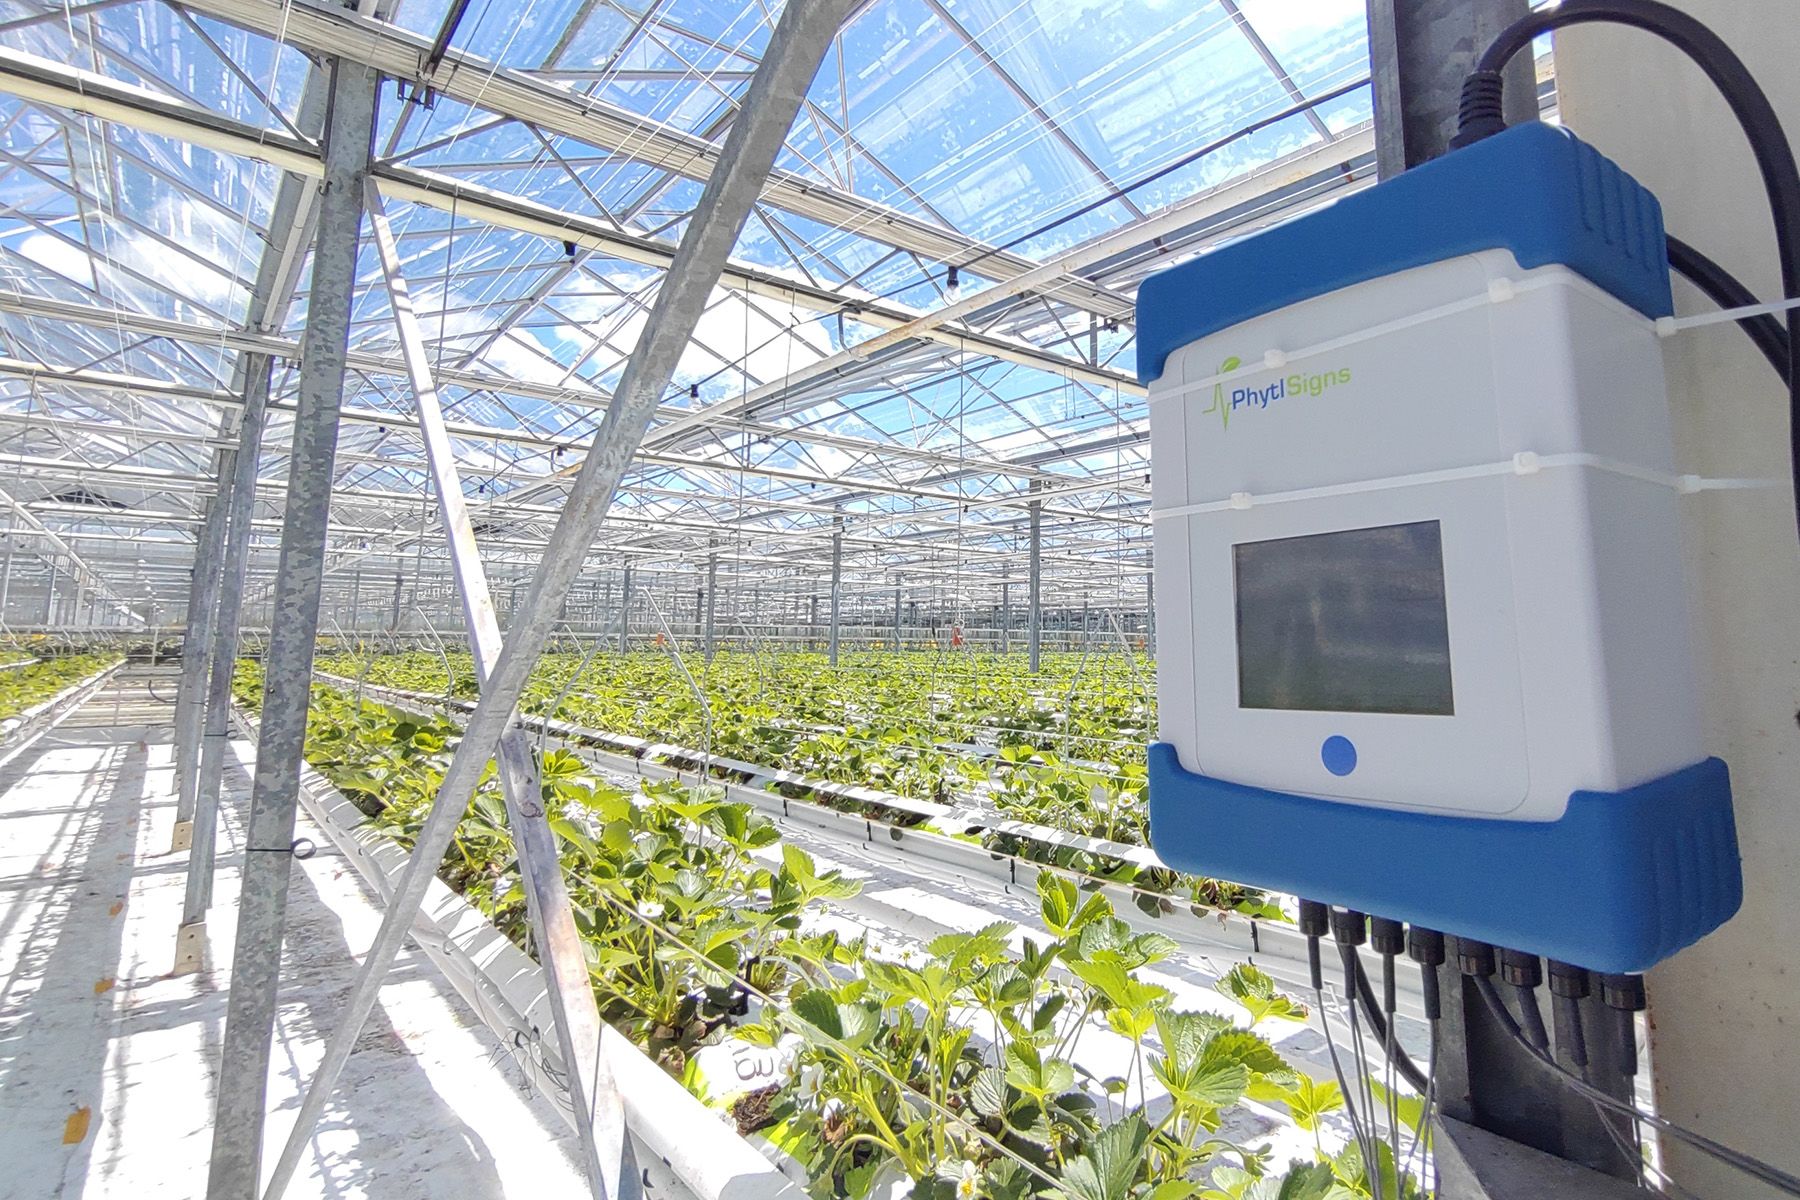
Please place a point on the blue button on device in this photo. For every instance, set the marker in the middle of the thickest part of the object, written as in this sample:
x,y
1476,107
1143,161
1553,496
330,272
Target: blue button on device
x,y
1338,754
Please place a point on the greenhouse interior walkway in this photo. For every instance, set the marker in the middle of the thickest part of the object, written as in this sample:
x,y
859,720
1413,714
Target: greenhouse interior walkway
x,y
107,1059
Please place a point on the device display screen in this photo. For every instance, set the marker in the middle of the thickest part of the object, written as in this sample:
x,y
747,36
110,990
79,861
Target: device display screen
x,y
1345,622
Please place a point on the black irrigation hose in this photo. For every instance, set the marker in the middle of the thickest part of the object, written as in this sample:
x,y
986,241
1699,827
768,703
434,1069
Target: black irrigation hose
x,y
1403,1063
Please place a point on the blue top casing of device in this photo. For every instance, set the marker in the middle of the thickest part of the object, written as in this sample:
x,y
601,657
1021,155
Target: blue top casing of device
x,y
1536,190
1622,879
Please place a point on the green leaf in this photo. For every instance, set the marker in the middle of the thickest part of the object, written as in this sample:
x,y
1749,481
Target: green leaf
x,y
1106,1169
1308,1100
571,834
1035,1075
1253,989
987,1092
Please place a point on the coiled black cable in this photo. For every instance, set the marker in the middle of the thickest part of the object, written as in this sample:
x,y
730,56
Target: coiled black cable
x,y
1481,116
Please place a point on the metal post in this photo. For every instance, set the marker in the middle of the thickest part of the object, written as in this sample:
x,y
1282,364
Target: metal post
x,y
812,620
196,642
1150,612
837,579
262,906
6,579
897,641
394,613
625,608
1005,616
1034,617
789,62
50,593
712,600
1419,53
240,513
577,1021
355,597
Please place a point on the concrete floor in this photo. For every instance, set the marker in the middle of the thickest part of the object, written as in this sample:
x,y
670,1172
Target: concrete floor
x,y
107,1061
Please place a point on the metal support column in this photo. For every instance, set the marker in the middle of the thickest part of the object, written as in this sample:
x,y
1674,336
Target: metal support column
x,y
812,621
262,907
394,611
789,62
712,600
196,643
50,592
240,513
897,635
1005,615
837,580
355,597
577,1021
1150,612
625,608
6,580
1419,52
1034,583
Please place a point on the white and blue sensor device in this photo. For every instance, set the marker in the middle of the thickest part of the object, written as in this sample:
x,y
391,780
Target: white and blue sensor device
x,y
1424,642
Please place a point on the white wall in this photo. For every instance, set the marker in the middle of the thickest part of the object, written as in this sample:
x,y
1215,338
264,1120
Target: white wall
x,y
1725,1013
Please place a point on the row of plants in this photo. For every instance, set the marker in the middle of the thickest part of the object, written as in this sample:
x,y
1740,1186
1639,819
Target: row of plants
x,y
957,1068
1062,748
28,686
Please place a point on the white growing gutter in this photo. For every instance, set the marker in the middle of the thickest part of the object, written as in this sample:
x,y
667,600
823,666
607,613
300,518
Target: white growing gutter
x,y
685,1147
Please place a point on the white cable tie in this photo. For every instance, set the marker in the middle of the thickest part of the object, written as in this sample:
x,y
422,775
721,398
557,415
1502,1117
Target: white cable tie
x,y
1525,462
1274,360
1159,394
1501,290
1667,327
1730,314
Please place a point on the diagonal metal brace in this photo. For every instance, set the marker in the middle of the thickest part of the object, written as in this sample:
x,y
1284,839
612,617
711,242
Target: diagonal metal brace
x,y
795,50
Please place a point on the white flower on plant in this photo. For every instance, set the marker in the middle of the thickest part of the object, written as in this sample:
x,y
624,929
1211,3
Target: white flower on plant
x,y
650,910
967,1181
812,1080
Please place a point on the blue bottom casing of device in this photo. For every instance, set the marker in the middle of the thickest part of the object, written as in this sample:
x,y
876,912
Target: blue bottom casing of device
x,y
1620,882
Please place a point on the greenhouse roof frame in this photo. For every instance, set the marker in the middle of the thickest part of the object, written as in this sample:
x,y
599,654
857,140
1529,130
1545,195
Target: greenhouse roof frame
x,y
158,159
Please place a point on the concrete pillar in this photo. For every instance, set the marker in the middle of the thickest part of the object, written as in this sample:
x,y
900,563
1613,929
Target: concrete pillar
x,y
1725,1013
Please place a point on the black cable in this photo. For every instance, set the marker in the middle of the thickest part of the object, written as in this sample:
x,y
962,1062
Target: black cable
x,y
1481,116
1723,289
1366,999
1754,1167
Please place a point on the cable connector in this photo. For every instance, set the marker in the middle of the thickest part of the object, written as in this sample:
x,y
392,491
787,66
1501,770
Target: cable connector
x,y
1315,920
1524,974
1426,947
1624,995
1520,969
1474,959
1568,988
1349,927
1480,112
